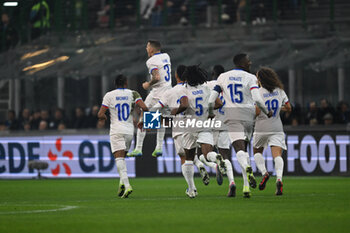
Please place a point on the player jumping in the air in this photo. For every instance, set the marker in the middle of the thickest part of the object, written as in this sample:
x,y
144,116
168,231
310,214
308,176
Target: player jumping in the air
x,y
195,103
221,138
269,131
120,103
171,99
159,68
240,90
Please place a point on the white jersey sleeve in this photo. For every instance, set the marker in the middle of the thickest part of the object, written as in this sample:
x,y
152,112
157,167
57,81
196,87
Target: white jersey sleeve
x,y
284,96
171,99
219,113
252,82
106,100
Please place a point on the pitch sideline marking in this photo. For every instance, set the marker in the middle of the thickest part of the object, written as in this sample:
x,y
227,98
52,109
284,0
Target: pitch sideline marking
x,y
62,208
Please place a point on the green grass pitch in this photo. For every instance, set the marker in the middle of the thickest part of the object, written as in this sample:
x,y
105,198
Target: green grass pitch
x,y
309,204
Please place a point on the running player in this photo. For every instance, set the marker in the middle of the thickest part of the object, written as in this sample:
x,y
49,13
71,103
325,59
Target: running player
x,y
159,68
269,131
120,103
171,99
221,138
240,90
195,103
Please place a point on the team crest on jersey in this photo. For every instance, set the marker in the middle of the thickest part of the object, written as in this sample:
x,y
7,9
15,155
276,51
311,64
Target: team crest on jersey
x,y
151,120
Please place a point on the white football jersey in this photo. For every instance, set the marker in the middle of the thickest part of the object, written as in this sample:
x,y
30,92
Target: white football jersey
x,y
219,113
161,62
198,100
273,101
171,99
236,85
120,103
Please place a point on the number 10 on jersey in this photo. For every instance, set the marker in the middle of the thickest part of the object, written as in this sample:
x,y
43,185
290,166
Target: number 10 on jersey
x,y
123,111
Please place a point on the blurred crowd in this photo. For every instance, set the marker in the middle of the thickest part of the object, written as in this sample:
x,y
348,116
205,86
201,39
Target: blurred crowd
x,y
52,120
42,15
322,113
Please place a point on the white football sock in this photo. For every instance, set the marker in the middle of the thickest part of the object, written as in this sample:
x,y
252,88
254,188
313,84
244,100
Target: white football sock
x,y
197,162
245,178
260,163
184,172
242,159
121,166
211,156
160,138
209,164
188,172
248,158
141,134
229,171
279,167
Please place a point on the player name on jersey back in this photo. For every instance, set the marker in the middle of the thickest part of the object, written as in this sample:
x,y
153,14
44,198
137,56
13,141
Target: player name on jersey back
x,y
120,103
236,87
273,101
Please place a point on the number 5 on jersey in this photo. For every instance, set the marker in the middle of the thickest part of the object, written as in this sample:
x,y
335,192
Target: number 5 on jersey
x,y
199,106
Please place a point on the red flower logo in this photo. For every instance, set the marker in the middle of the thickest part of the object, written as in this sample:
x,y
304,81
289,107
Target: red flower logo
x,y
53,157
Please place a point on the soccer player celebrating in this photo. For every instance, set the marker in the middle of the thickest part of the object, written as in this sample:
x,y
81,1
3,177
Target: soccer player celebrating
x,y
120,103
159,68
171,99
195,103
269,131
221,138
241,92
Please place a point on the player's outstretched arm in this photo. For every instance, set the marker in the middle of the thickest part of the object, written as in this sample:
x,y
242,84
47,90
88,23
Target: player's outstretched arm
x,y
142,105
214,94
156,107
218,103
259,101
183,106
257,111
154,80
102,114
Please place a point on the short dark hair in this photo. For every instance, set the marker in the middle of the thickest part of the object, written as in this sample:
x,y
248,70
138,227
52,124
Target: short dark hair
x,y
238,59
217,70
180,71
155,44
120,80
